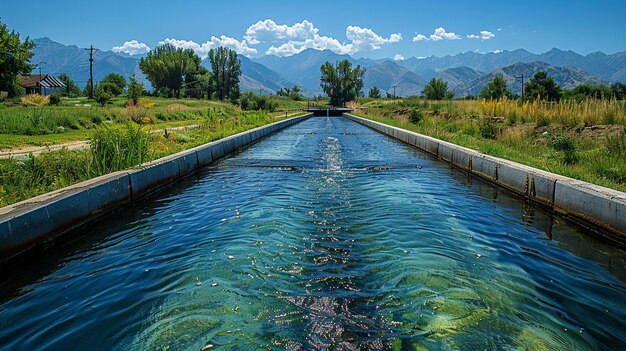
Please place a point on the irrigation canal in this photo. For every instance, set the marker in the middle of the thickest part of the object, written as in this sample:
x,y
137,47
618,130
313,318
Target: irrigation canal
x,y
324,236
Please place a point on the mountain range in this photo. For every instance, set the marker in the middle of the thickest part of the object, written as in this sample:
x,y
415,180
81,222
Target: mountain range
x,y
465,73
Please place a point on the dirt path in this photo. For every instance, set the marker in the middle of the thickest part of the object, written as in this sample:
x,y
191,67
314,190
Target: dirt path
x,y
72,145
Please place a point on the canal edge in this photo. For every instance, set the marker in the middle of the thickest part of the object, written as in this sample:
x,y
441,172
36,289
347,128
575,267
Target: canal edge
x,y
583,202
42,218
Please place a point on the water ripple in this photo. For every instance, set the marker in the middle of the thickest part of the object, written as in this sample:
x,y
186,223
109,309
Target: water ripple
x,y
323,236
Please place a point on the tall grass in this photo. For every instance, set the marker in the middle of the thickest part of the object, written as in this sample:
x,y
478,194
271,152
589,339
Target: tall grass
x,y
116,148
565,112
597,155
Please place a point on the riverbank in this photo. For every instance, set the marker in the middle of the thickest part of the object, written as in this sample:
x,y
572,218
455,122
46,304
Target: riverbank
x,y
562,142
26,175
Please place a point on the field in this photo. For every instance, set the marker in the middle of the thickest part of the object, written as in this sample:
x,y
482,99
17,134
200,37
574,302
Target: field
x,y
585,140
120,137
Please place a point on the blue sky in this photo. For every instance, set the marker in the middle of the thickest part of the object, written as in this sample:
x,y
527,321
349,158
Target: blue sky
x,y
363,29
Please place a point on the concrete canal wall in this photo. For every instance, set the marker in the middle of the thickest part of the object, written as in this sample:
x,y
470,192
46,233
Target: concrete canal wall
x,y
582,201
29,222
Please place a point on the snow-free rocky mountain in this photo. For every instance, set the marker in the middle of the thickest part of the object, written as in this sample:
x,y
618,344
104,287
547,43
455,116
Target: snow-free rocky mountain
x,y
466,73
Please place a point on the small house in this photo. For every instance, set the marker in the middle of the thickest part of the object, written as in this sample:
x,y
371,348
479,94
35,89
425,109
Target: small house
x,y
42,84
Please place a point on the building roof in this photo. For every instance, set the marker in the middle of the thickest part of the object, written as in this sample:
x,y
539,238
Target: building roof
x,y
40,80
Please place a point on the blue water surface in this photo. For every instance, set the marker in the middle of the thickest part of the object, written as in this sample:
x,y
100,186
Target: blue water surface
x,y
324,236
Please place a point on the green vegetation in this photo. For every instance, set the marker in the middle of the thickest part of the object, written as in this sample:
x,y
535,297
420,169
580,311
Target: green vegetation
x,y
293,93
226,71
583,140
615,91
15,55
496,89
115,148
543,87
116,141
437,89
167,66
341,83
71,89
251,101
113,83
134,91
374,93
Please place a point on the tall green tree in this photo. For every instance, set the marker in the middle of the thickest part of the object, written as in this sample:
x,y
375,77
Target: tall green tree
x,y
198,85
437,89
341,82
15,56
116,79
70,89
295,93
226,69
167,66
541,86
496,89
374,93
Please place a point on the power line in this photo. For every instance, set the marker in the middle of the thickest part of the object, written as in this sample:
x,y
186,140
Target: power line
x,y
91,51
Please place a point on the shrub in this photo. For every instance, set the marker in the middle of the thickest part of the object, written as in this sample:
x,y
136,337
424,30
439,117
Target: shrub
x,y
487,128
110,88
35,100
146,103
565,144
55,99
134,114
103,96
415,116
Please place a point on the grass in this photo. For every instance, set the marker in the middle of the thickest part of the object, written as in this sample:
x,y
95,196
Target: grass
x,y
75,118
568,138
117,144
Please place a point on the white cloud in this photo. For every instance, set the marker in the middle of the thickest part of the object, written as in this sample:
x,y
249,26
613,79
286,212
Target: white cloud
x,y
499,29
420,37
269,31
398,57
317,43
365,39
484,35
441,34
132,47
360,39
241,47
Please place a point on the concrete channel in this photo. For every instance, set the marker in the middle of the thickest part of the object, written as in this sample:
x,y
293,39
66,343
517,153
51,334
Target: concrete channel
x,y
33,221
580,201
36,220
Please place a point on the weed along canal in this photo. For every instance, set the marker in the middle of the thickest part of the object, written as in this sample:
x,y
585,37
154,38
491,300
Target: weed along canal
x,y
324,236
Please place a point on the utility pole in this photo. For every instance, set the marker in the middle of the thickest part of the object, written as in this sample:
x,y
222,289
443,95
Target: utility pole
x,y
91,51
394,92
522,78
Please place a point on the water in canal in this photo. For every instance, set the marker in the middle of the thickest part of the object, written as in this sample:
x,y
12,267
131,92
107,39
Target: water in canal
x,y
324,236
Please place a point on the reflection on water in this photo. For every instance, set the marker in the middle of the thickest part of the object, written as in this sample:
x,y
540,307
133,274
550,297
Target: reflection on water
x,y
325,236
